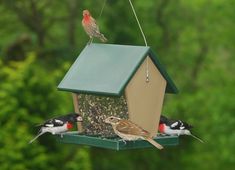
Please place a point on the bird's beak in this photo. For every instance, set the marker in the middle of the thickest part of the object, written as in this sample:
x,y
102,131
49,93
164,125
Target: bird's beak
x,y
79,119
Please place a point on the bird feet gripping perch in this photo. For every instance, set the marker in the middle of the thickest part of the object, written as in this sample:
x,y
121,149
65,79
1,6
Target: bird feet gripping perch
x,y
123,141
90,41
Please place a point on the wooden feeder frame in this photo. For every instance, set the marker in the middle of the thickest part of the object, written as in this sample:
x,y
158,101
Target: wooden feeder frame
x,y
115,143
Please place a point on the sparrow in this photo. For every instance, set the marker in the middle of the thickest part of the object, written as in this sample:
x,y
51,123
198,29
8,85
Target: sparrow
x,y
130,131
175,127
91,28
58,125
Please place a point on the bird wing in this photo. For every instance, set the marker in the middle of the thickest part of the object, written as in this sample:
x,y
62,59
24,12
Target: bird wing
x,y
53,123
187,126
174,124
128,127
58,121
178,124
95,25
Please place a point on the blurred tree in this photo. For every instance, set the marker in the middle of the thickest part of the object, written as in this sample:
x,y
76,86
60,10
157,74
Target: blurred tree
x,y
194,39
73,13
31,14
25,101
18,49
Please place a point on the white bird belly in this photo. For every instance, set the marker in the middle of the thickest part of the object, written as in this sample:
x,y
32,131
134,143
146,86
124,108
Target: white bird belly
x,y
170,131
56,130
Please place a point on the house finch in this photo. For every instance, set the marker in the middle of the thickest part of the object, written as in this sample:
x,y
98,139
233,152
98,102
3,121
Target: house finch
x,y
129,131
175,127
91,28
58,125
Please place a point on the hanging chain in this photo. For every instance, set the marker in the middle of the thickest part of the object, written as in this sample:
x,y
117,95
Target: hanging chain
x,y
145,41
101,12
102,9
141,30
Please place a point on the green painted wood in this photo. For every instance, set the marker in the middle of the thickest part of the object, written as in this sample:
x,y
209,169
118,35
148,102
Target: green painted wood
x,y
170,87
106,69
115,143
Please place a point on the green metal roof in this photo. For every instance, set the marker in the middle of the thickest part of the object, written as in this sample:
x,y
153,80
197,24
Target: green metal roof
x,y
106,69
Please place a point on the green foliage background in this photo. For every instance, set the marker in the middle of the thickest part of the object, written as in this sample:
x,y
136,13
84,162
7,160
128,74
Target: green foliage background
x,y
194,40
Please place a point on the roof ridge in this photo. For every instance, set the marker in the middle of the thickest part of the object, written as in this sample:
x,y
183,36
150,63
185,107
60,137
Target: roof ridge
x,y
108,68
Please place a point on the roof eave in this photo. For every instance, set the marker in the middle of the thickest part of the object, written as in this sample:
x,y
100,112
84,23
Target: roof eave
x,y
171,87
134,71
107,94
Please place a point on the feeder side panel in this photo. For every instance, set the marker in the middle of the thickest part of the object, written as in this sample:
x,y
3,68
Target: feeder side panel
x,y
144,99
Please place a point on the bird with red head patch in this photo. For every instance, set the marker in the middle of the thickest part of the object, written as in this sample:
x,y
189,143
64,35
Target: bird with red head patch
x,y
58,125
91,28
175,127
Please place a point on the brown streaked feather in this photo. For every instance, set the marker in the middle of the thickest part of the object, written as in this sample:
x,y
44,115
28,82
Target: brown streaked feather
x,y
128,127
154,143
94,25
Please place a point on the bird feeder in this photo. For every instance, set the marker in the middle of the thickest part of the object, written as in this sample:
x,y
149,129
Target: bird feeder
x,y
120,70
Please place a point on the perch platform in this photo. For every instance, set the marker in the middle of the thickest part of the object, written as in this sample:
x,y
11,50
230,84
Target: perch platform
x,y
115,143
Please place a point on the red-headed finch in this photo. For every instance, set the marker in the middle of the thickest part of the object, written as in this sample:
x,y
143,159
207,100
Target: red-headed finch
x,y
90,26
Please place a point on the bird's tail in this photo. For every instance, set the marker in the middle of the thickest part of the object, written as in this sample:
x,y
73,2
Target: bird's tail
x,y
39,134
102,38
196,138
154,143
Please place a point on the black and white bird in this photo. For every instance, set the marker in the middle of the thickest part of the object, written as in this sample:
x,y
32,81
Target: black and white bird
x,y
58,125
175,127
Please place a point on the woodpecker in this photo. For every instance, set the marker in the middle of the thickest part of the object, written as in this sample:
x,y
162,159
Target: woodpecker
x,y
175,127
58,125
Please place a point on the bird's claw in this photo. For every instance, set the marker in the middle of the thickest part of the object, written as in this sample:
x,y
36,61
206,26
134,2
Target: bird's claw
x,y
90,41
161,134
123,141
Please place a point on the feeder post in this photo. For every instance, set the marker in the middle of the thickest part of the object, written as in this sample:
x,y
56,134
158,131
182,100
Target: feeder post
x,y
76,109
